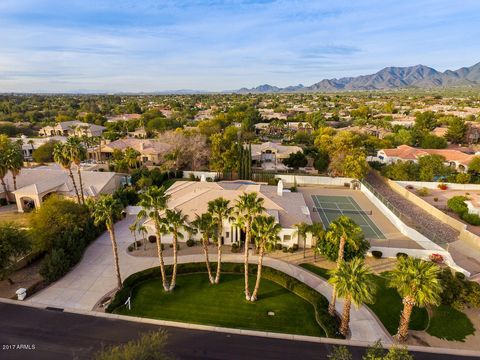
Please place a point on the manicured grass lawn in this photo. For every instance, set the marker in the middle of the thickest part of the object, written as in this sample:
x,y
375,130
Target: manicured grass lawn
x,y
450,324
19,218
194,300
388,304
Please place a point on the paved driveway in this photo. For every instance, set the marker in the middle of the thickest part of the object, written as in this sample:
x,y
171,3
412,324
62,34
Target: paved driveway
x,y
94,277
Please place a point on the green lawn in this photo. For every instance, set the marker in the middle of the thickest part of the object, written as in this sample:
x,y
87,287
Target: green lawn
x,y
450,324
388,305
19,218
194,300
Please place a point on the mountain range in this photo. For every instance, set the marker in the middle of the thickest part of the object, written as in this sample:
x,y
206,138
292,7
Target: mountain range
x,y
389,78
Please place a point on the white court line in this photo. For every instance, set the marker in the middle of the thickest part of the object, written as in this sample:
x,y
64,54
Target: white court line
x,y
365,219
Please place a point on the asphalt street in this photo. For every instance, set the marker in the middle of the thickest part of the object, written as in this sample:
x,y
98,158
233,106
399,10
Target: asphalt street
x,y
31,333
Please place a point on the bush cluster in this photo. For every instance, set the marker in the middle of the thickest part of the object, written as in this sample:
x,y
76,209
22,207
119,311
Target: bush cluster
x,y
63,229
320,303
377,254
190,242
457,205
459,292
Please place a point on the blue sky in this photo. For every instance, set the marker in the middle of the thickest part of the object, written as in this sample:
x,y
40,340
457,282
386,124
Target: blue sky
x,y
146,45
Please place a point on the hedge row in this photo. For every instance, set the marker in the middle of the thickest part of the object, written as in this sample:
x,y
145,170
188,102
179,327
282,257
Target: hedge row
x,y
320,304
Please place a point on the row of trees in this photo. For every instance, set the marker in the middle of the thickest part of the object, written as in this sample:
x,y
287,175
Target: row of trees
x,y
416,281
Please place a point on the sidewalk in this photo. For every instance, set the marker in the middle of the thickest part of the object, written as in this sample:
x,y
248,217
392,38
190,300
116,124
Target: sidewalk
x,y
94,277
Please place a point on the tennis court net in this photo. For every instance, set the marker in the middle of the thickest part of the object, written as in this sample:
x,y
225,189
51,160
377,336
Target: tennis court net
x,y
341,211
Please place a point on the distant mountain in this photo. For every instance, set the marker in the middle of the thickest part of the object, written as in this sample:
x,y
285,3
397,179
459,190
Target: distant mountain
x,y
389,78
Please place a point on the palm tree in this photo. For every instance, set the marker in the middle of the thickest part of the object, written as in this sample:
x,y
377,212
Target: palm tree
x,y
14,161
219,210
318,232
174,222
62,158
131,157
143,230
341,231
265,230
153,201
418,284
133,229
248,207
353,282
106,210
77,153
302,230
206,226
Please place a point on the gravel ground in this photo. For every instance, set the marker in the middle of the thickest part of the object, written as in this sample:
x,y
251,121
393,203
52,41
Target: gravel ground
x,y
414,215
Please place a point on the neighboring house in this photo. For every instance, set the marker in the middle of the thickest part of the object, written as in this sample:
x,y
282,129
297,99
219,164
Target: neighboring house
x,y
123,117
72,128
300,126
286,207
151,150
454,158
270,152
34,185
29,145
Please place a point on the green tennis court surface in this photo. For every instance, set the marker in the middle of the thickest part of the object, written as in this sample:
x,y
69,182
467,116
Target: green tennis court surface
x,y
331,207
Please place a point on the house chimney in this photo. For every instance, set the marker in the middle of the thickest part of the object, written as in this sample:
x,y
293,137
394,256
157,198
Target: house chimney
x,y
280,188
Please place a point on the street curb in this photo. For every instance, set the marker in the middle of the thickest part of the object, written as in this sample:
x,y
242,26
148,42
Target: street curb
x,y
245,332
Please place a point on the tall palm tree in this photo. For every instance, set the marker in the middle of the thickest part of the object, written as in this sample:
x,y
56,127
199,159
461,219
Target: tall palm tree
x,y
14,161
175,221
105,211
77,153
418,284
62,157
265,231
220,210
153,201
341,231
207,227
302,230
318,232
248,207
353,282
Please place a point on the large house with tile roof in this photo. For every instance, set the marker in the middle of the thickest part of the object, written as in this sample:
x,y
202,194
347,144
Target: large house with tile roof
x,y
72,128
454,158
288,208
152,151
34,185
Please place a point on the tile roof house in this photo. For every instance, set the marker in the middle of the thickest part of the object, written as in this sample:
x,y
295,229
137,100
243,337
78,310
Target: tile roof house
x,y
272,152
34,185
286,207
29,145
151,150
455,158
72,128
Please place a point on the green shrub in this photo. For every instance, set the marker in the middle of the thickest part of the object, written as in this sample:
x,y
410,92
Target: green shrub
x,y
400,255
130,248
235,247
472,219
152,239
291,250
190,242
285,249
377,254
460,276
295,247
278,246
171,246
54,265
435,199
423,192
457,204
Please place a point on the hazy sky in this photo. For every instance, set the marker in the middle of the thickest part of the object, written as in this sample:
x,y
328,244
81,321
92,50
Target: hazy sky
x,y
146,45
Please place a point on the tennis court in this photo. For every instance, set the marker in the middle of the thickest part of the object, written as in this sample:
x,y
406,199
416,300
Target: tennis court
x,y
331,207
